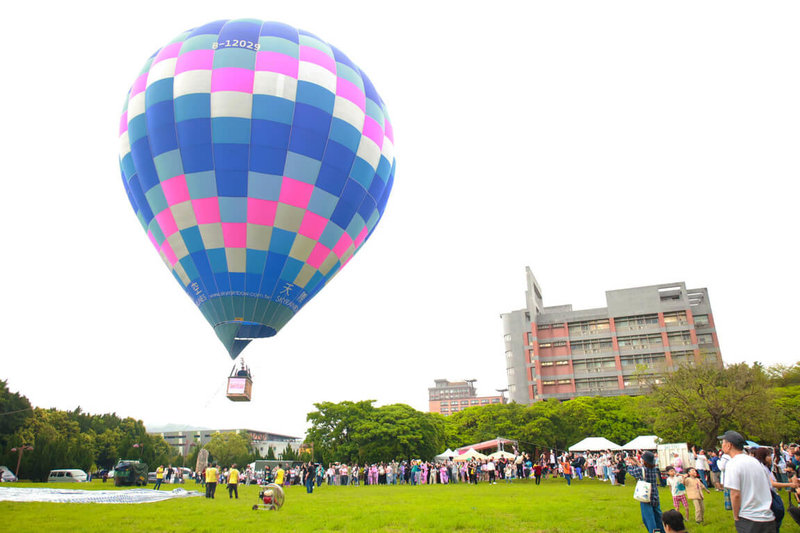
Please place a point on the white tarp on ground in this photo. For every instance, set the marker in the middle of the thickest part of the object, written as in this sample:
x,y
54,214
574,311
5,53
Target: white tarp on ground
x,y
642,442
594,444
14,494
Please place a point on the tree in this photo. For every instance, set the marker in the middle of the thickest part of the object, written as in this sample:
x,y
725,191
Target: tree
x,y
15,410
270,453
228,448
697,403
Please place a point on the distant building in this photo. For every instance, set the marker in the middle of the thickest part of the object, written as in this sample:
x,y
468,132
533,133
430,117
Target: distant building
x,y
453,396
183,441
557,352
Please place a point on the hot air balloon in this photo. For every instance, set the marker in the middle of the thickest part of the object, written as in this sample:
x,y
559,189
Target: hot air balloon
x,y
258,159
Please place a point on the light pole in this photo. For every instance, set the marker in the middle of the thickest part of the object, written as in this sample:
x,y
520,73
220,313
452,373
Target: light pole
x,y
502,394
20,451
471,383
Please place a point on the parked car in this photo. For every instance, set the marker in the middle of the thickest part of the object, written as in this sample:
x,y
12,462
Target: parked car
x,y
6,475
67,475
151,477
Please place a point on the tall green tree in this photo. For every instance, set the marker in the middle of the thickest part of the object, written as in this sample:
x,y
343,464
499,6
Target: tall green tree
x,y
15,410
229,448
697,403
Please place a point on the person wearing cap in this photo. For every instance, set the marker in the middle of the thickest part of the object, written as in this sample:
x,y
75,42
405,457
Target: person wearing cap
x,y
645,470
751,496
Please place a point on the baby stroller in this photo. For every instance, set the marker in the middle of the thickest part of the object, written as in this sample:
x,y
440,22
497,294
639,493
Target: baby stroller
x,y
271,496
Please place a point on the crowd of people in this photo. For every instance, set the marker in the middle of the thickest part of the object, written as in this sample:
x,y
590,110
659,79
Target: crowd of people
x,y
750,478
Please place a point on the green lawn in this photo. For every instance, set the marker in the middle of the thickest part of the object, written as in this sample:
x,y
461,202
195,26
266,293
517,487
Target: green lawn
x,y
586,506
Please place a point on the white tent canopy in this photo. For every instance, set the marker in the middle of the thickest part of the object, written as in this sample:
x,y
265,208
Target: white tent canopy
x,y
594,444
642,442
500,454
470,454
446,455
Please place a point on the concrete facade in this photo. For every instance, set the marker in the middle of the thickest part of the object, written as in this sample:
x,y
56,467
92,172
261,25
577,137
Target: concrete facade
x,y
448,397
557,352
183,440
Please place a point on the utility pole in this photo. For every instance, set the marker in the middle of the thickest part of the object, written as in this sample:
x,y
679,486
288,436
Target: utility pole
x,y
20,451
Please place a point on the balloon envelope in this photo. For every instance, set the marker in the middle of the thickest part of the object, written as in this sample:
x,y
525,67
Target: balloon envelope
x,y
258,159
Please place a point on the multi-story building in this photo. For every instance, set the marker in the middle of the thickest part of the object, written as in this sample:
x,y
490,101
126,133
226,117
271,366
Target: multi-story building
x,y
182,441
643,332
453,396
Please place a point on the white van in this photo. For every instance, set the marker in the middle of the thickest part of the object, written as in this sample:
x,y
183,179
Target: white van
x,y
67,475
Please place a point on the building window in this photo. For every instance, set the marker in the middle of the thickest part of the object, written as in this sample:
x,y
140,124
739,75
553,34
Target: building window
x,y
596,384
543,326
648,359
631,323
589,327
507,337
680,339
639,342
701,321
546,363
590,347
562,363
484,402
530,338
473,402
677,318
559,344
549,382
564,381
594,365
705,338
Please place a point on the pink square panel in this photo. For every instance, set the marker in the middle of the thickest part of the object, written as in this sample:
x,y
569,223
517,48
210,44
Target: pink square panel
x,y
206,210
295,192
234,234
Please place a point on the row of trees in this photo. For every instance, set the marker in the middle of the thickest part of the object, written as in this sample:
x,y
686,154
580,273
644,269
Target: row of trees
x,y
694,404
74,439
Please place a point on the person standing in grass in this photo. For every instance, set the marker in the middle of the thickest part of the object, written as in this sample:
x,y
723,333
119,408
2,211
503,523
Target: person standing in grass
x,y
233,482
694,490
644,469
751,498
678,489
567,469
537,473
159,477
212,474
280,475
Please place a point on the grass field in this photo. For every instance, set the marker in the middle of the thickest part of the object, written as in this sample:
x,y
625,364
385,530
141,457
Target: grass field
x,y
586,506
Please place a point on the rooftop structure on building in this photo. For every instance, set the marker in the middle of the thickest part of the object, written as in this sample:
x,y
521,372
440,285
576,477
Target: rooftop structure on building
x,y
452,396
262,441
642,333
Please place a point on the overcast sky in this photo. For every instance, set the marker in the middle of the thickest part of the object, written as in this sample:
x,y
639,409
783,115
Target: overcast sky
x,y
605,144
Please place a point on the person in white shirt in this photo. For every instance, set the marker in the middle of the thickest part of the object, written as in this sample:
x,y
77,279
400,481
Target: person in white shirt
x,y
701,465
751,496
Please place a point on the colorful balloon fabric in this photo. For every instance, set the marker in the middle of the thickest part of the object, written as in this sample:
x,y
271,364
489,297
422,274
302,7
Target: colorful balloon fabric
x,y
258,159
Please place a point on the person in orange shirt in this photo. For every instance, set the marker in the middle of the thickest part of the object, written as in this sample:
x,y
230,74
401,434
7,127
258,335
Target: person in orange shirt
x,y
567,471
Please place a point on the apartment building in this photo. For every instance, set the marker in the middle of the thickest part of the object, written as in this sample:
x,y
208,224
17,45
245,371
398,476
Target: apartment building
x,y
448,397
643,332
